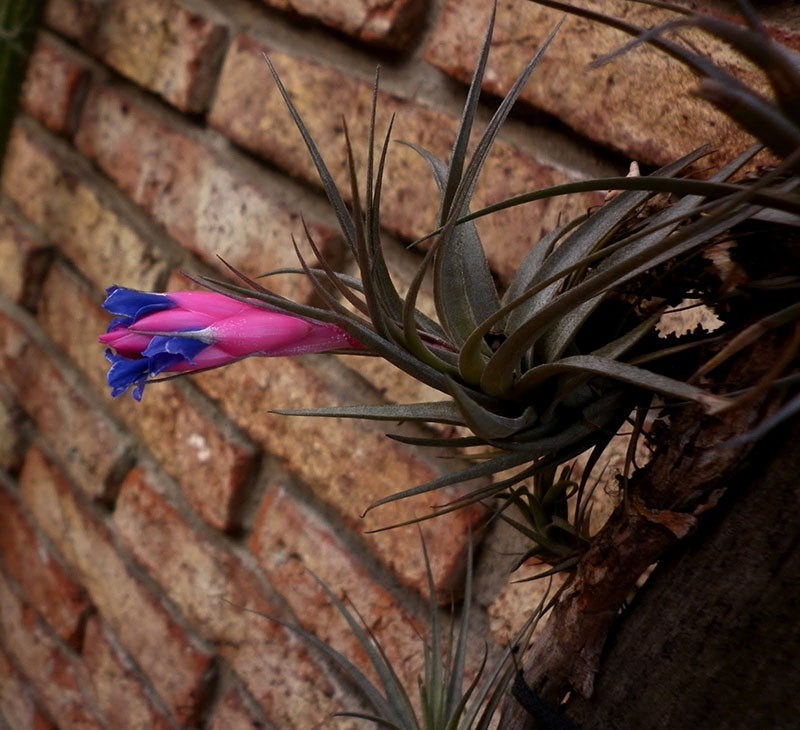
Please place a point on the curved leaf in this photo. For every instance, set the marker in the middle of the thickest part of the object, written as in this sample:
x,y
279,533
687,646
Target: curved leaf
x,y
467,294
623,372
485,424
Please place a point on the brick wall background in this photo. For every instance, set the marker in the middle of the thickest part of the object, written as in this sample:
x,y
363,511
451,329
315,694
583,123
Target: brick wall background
x,y
139,542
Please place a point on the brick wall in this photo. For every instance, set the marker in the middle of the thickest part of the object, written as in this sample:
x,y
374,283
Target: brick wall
x,y
140,542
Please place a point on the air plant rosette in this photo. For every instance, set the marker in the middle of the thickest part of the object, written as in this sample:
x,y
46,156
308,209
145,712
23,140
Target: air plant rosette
x,y
554,366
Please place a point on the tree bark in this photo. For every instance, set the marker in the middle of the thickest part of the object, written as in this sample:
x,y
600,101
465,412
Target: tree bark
x,y
713,640
666,502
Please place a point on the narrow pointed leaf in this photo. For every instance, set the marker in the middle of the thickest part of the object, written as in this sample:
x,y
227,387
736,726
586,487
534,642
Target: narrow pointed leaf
x,y
456,254
434,412
467,294
328,183
615,370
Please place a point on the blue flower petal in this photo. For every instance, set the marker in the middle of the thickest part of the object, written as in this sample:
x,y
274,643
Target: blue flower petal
x,y
176,349
160,355
131,305
125,372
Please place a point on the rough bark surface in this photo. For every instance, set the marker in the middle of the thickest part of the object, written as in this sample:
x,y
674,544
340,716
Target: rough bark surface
x,y
713,640
665,501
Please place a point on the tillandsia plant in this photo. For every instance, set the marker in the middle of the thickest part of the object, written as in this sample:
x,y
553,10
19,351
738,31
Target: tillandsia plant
x,y
555,365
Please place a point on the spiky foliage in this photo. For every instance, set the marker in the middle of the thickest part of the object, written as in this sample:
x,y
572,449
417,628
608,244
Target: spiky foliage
x,y
770,201
446,700
555,365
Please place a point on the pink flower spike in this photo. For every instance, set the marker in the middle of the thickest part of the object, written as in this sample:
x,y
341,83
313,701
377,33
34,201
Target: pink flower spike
x,y
182,332
210,303
174,320
258,332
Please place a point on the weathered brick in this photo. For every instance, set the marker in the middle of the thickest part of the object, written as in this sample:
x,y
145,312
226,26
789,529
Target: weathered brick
x,y
640,104
222,597
25,258
164,46
293,545
392,24
70,314
29,560
200,448
330,455
54,85
89,445
12,438
235,710
17,706
56,673
210,207
58,195
249,109
206,454
74,19
121,693
176,662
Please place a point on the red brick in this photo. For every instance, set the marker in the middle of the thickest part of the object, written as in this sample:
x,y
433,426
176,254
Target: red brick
x,y
222,597
54,85
56,673
293,544
249,110
205,453
640,104
392,24
235,710
58,194
211,207
348,464
12,438
17,706
165,47
74,19
175,661
89,445
28,559
121,693
25,256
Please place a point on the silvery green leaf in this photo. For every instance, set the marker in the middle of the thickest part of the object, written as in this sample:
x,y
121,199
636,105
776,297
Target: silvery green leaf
x,y
433,412
328,183
753,113
466,295
454,254
623,372
479,471
586,239
371,693
499,372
